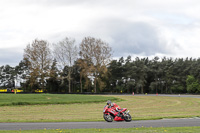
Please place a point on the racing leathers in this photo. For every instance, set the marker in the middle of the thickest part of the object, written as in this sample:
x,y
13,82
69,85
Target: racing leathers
x,y
116,107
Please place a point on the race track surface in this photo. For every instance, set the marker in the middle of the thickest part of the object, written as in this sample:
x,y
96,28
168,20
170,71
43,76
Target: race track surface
x,y
98,125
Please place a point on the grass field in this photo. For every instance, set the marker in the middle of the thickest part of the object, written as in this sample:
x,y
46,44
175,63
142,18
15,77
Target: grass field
x,y
117,130
35,99
141,108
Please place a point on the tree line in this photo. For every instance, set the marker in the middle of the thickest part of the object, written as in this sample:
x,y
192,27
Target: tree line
x,y
64,67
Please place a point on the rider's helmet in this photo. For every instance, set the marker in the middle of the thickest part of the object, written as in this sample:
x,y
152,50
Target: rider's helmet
x,y
109,103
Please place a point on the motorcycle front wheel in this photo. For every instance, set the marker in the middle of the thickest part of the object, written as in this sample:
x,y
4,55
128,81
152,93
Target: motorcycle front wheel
x,y
108,117
127,118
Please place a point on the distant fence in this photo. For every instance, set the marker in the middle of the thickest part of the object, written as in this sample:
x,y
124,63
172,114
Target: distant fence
x,y
3,90
17,91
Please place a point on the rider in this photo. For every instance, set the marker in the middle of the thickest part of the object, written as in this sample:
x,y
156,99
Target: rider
x,y
113,105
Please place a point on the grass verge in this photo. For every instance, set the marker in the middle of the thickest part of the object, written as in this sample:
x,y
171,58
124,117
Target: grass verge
x,y
116,130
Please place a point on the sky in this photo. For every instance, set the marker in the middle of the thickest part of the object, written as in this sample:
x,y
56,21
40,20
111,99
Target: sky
x,y
139,28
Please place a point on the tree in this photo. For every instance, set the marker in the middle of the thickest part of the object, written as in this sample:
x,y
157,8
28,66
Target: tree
x,y
115,74
83,71
192,84
129,74
141,77
98,54
39,58
66,52
53,84
23,72
7,74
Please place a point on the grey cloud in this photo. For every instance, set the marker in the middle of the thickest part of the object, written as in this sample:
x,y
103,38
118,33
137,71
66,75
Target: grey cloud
x,y
138,38
134,38
10,56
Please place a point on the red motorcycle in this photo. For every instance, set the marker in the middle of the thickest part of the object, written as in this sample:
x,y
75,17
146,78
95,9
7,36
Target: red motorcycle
x,y
110,114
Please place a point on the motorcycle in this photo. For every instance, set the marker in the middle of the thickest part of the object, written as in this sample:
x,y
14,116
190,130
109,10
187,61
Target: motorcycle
x,y
110,114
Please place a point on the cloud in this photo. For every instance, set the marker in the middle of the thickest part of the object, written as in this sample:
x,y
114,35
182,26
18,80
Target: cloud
x,y
131,27
138,38
10,56
132,37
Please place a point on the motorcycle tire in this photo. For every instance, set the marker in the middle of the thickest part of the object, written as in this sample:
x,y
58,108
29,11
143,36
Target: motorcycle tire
x,y
128,118
108,118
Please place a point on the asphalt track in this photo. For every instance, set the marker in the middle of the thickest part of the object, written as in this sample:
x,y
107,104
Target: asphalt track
x,y
133,124
100,125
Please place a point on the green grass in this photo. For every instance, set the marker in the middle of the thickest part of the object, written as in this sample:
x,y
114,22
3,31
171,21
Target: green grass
x,y
35,99
84,107
116,130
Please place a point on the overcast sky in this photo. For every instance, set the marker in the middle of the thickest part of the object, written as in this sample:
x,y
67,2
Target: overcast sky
x,y
143,28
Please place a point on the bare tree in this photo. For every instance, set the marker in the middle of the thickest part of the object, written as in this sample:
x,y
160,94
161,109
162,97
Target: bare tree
x,y
66,52
98,54
38,57
84,70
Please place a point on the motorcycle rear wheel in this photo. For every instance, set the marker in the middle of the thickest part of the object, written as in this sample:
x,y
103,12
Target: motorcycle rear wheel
x,y
128,118
108,118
